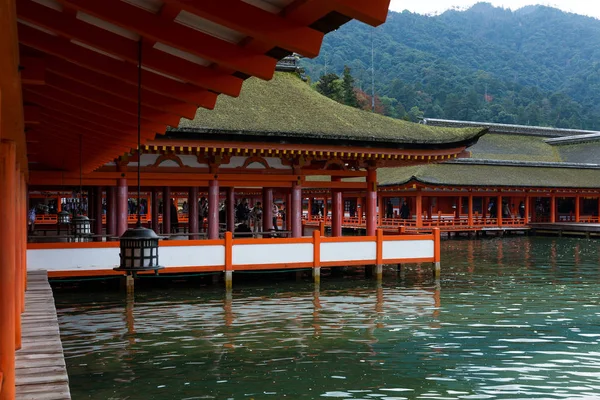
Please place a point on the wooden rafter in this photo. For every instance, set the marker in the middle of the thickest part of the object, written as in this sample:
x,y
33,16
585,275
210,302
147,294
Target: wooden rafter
x,y
178,36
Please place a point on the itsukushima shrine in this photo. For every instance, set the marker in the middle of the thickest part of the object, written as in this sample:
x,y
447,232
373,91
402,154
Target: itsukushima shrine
x,y
83,82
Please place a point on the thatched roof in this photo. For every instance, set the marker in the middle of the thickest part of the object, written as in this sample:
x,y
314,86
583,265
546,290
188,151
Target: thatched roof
x,y
514,147
287,108
491,175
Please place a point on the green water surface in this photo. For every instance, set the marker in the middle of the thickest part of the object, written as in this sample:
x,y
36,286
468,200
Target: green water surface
x,y
512,318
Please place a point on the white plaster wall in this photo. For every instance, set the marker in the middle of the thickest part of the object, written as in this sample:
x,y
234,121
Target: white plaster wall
x,y
407,249
351,251
244,254
191,256
72,259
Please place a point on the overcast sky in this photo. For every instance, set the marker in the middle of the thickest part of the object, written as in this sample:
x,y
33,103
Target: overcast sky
x,y
584,7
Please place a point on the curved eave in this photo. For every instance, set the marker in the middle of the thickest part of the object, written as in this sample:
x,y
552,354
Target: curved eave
x,y
78,61
341,140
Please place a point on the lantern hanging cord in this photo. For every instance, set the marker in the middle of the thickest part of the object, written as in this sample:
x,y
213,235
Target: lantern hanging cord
x,y
139,123
80,174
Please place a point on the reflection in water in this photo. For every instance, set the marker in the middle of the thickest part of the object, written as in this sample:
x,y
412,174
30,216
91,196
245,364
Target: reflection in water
x,y
531,332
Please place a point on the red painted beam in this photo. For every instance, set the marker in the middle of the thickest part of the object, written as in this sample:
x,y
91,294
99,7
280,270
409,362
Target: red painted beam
x,y
127,91
31,114
99,97
372,12
97,62
257,23
64,97
79,127
176,35
127,49
33,71
51,102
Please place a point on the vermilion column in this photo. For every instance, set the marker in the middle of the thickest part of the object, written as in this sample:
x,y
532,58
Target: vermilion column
x,y
577,209
296,210
380,209
213,209
359,210
419,208
288,212
166,210
499,209
19,224
230,209
193,211
154,210
122,210
8,288
371,214
470,211
337,208
527,205
553,209
310,207
267,200
98,212
111,211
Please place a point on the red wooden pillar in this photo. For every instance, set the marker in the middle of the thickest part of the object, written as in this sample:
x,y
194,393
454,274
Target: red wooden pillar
x,y
325,208
598,209
553,208
193,211
371,214
166,210
380,209
310,207
337,210
98,212
288,211
111,211
458,207
419,208
296,210
230,204
527,209
267,200
8,289
499,209
155,210
122,209
577,208
213,209
359,210
470,210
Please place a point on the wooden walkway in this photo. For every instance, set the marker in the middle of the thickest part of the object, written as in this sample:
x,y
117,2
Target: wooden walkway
x,y
41,373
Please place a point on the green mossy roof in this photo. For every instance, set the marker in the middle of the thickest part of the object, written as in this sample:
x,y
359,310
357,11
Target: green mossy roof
x,y
586,153
491,175
286,106
514,148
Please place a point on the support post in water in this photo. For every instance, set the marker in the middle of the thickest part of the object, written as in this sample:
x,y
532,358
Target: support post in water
x,y
436,252
228,280
317,275
127,283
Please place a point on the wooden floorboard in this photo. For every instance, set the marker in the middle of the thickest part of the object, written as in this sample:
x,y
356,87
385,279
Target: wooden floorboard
x,y
40,363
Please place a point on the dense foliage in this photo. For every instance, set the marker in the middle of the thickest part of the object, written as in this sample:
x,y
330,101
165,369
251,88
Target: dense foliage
x,y
534,66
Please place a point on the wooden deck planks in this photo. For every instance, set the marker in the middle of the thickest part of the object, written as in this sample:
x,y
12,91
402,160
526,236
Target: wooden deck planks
x,y
40,363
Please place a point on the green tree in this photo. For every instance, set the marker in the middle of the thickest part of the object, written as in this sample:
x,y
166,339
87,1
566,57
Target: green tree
x,y
329,85
348,88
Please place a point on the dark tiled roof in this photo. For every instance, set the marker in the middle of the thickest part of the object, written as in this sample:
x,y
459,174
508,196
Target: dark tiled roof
x,y
287,107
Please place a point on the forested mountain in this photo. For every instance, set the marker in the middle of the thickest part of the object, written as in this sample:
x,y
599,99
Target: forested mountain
x,y
534,66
